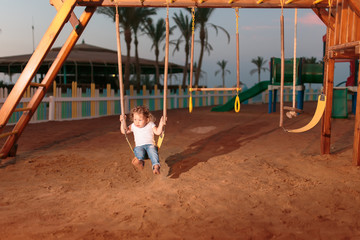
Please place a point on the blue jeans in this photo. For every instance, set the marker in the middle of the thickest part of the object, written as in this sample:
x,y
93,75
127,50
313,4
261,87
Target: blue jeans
x,y
147,151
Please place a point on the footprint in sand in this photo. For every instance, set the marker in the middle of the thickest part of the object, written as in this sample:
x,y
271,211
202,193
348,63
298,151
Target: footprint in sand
x,y
203,130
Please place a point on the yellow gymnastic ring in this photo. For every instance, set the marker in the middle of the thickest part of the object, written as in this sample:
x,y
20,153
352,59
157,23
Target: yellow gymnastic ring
x,y
237,104
190,104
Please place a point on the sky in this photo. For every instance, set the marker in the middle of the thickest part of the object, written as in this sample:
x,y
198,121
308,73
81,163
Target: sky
x,y
259,34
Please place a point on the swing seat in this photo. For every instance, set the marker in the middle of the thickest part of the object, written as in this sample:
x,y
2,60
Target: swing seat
x,y
316,118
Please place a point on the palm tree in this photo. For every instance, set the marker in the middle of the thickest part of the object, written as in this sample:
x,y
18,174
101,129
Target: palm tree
x,y
310,60
259,62
201,21
222,70
184,24
126,18
142,16
157,33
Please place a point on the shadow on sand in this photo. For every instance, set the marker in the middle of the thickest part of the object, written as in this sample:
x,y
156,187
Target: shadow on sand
x,y
217,144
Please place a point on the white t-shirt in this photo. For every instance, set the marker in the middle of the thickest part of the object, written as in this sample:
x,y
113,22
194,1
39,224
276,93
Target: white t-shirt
x,y
143,135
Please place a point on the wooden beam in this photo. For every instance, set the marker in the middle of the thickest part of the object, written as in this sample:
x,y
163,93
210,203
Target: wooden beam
x,y
348,50
202,4
215,89
355,6
73,19
356,146
344,22
35,62
326,119
48,79
323,14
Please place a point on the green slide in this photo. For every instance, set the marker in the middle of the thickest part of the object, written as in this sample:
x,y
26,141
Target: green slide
x,y
251,92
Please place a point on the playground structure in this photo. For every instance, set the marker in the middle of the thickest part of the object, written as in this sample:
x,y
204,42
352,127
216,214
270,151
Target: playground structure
x,y
305,73
342,19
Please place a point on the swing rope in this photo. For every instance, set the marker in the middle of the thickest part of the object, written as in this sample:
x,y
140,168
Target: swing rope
x,y
191,89
237,100
121,85
281,122
192,59
293,111
294,63
162,135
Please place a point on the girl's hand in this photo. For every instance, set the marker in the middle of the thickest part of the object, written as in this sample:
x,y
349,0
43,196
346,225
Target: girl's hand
x,y
163,120
122,118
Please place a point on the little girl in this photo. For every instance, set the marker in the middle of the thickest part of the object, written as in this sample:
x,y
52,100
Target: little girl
x,y
144,128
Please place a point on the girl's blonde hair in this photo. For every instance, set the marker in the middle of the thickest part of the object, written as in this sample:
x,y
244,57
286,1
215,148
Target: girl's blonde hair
x,y
144,111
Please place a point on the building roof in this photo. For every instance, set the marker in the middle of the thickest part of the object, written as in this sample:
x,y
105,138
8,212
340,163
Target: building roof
x,y
81,54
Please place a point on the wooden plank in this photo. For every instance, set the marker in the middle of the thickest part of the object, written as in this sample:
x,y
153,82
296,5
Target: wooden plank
x,y
335,39
356,146
35,62
73,19
348,24
355,6
323,14
49,77
343,22
326,119
214,89
344,46
22,109
357,26
3,135
203,4
33,84
352,27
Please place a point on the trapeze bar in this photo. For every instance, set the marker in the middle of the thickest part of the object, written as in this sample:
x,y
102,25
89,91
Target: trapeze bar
x,y
214,89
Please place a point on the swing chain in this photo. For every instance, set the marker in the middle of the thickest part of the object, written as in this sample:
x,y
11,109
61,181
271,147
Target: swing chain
x,y
193,20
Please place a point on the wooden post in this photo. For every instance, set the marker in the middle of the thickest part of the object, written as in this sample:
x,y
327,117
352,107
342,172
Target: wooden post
x,y
356,147
145,101
181,100
326,119
196,99
156,102
132,101
92,104
74,104
108,104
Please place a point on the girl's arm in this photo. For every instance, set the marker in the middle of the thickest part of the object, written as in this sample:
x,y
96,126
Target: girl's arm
x,y
158,130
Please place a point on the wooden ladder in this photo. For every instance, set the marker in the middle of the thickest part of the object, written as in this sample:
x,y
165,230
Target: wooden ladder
x,y
65,13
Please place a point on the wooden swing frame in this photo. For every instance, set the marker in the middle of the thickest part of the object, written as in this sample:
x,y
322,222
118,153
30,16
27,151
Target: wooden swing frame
x,y
343,28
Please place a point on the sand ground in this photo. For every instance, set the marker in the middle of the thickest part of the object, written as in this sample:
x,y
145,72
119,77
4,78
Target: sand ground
x,y
223,176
